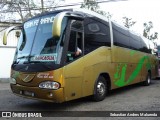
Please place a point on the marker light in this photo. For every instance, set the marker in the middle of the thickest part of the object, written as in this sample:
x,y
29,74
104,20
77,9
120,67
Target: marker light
x,y
49,85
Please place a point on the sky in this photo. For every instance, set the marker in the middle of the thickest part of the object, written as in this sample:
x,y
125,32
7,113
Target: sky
x,y
140,11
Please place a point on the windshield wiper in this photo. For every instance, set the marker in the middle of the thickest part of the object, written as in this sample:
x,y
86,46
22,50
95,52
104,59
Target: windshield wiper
x,y
32,62
24,57
29,61
28,56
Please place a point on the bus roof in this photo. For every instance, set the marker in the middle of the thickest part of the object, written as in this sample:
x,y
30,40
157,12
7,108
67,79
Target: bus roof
x,y
88,13
84,12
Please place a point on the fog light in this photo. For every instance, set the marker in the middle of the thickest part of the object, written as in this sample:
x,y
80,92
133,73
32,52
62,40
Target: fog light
x,y
49,85
50,94
13,81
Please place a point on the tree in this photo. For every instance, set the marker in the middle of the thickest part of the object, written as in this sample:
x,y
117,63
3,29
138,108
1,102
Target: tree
x,y
48,5
147,32
147,29
93,6
25,8
128,22
18,6
154,36
90,4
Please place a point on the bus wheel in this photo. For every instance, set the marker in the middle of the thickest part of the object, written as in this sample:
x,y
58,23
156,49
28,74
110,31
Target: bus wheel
x,y
147,82
100,89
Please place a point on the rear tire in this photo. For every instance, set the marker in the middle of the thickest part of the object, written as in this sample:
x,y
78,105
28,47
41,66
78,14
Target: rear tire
x,y
147,82
100,89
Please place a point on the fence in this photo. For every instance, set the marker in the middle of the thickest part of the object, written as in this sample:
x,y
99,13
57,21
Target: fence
x,y
6,51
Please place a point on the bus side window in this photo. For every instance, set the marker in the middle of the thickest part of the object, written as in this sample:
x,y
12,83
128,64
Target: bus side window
x,y
144,47
96,34
135,42
121,36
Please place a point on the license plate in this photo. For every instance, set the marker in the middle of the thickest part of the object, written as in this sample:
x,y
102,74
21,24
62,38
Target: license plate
x,y
28,93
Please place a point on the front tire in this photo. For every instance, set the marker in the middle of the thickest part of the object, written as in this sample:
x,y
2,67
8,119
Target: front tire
x,y
100,89
147,82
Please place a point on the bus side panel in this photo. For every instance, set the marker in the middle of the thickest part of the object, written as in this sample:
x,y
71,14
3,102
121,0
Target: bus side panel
x,y
95,63
150,64
144,71
122,67
137,63
88,82
73,77
154,66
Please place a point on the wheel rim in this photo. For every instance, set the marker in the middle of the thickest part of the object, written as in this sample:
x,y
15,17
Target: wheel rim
x,y
101,89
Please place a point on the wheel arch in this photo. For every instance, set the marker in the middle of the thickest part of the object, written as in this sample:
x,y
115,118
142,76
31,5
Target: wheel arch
x,y
107,78
104,78
149,71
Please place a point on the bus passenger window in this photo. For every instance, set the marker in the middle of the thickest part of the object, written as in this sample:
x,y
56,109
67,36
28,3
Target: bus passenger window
x,y
120,36
96,34
144,47
135,42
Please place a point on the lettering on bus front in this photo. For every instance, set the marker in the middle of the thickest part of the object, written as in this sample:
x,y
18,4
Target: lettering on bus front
x,y
44,75
36,22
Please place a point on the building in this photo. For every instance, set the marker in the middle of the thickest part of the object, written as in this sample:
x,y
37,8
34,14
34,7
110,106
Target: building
x,y
7,51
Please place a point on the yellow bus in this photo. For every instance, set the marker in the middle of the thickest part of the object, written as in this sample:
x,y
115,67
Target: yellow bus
x,y
69,54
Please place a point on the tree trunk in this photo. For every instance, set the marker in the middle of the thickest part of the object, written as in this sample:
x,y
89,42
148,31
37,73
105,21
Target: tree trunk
x,y
29,9
42,4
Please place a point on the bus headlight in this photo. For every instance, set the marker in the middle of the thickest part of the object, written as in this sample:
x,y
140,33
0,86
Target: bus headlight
x,y
12,81
49,85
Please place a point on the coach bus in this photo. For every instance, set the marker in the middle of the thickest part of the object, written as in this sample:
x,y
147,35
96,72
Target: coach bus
x,y
158,54
69,54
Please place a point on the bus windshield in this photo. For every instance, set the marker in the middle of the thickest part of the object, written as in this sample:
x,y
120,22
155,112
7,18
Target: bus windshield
x,y
36,43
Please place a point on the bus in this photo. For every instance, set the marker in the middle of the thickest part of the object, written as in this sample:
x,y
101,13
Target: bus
x,y
68,54
158,54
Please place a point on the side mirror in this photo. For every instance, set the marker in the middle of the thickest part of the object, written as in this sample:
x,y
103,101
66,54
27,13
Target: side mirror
x,y
57,24
7,32
17,34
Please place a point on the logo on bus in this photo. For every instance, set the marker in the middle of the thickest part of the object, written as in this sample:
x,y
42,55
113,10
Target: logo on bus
x,y
27,77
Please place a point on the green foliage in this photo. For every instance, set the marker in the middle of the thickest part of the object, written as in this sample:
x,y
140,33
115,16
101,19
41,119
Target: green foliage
x,y
90,4
93,6
147,31
25,8
128,22
18,6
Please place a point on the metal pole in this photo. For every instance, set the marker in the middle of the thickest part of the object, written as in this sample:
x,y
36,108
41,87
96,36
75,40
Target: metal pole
x,y
42,4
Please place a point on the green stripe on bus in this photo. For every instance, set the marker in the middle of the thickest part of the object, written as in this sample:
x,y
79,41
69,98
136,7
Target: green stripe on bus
x,y
119,76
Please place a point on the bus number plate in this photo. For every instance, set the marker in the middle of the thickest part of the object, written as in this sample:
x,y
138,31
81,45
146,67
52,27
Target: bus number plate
x,y
28,93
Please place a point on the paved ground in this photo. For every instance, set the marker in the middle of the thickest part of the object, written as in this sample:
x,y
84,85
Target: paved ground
x,y
132,98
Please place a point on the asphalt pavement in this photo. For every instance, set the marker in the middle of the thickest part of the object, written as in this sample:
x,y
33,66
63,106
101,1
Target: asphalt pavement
x,y
132,98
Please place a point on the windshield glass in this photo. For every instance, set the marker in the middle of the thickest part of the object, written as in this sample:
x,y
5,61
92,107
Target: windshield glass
x,y
36,43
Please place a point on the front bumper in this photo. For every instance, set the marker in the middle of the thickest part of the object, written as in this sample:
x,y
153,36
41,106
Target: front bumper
x,y
38,93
